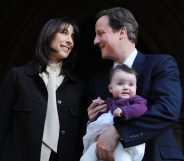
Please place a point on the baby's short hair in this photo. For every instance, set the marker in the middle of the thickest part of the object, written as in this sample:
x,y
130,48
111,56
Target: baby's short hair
x,y
122,67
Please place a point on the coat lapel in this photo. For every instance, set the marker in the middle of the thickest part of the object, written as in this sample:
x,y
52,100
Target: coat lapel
x,y
32,70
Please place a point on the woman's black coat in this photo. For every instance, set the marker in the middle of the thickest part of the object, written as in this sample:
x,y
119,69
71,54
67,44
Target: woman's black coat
x,y
23,103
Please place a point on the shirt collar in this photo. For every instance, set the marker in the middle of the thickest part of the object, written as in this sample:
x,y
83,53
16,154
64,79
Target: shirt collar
x,y
129,61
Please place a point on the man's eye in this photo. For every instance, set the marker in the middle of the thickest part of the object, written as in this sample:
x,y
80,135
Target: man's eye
x,y
100,33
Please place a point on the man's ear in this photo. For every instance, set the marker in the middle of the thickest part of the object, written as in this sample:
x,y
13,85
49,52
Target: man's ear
x,y
123,33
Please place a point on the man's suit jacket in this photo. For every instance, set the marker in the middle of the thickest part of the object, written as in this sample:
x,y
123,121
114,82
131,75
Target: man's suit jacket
x,y
158,81
23,103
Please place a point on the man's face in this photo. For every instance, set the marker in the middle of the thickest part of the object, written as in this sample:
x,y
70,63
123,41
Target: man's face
x,y
106,38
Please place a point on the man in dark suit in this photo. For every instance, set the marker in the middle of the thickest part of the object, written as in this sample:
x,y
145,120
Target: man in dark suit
x,y
158,82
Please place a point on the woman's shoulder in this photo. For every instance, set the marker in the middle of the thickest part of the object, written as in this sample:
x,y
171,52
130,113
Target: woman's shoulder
x,y
16,69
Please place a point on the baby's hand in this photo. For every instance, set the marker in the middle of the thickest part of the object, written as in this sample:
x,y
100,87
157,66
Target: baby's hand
x,y
117,112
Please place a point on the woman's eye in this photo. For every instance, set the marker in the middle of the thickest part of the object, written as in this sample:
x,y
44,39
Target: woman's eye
x,y
64,32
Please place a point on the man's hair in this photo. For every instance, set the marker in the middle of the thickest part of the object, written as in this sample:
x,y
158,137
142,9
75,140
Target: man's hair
x,y
122,67
121,17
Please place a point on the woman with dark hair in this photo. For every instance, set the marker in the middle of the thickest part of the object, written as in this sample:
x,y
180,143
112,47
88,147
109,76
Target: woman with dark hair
x,y
41,102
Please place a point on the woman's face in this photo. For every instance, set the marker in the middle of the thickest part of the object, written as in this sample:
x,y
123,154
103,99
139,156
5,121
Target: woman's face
x,y
61,44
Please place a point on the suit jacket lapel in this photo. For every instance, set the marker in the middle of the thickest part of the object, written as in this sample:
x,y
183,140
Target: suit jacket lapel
x,y
138,65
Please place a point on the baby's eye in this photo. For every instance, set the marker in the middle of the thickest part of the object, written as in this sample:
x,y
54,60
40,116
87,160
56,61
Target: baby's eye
x,y
131,84
120,83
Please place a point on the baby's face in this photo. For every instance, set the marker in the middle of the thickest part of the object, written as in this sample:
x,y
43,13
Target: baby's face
x,y
123,85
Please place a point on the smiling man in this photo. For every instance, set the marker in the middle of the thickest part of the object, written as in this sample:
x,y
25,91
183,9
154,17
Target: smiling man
x,y
158,81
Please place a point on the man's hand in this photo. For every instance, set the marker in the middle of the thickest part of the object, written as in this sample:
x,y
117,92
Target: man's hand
x,y
106,144
97,105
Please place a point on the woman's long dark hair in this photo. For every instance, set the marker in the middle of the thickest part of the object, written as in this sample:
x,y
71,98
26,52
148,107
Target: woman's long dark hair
x,y
45,37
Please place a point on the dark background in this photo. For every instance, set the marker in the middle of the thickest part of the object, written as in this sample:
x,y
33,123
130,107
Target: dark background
x,y
161,30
